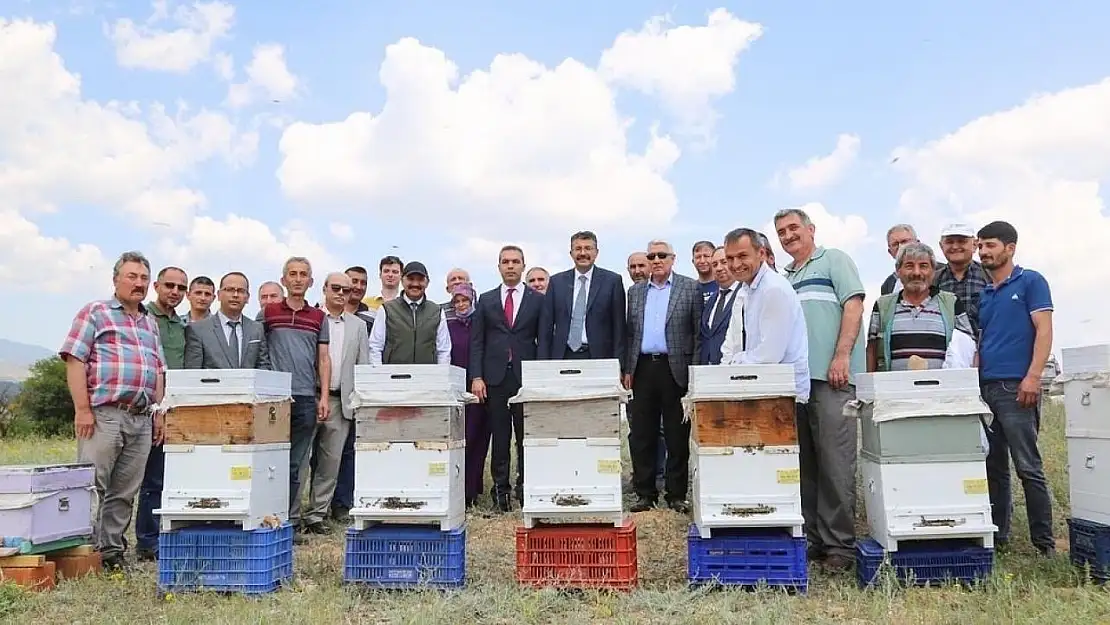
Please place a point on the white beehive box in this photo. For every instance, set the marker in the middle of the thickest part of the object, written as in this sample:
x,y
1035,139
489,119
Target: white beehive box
x,y
1087,359
938,384
572,377
246,484
572,479
386,380
44,503
410,483
1089,479
1086,401
207,387
927,501
741,381
767,495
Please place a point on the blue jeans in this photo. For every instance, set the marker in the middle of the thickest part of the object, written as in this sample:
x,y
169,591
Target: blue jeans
x,y
150,497
344,496
1014,434
302,428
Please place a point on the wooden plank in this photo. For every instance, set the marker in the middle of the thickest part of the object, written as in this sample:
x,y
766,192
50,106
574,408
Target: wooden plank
x,y
81,550
590,418
229,424
55,545
36,578
22,562
409,424
746,423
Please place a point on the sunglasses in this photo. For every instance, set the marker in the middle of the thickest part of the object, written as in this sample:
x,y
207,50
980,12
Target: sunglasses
x,y
659,255
335,288
175,287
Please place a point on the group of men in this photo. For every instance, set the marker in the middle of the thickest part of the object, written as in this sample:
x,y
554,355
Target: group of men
x,y
738,310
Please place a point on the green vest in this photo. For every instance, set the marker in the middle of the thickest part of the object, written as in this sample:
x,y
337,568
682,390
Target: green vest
x,y
410,337
945,301
171,331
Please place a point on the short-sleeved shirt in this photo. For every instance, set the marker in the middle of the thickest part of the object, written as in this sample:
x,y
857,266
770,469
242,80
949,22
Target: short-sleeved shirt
x,y
824,283
707,290
122,353
967,291
171,331
1007,333
294,338
918,331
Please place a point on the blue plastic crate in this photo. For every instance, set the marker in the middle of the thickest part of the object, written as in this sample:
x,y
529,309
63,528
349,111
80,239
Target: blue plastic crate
x,y
405,556
1090,547
924,562
226,560
748,557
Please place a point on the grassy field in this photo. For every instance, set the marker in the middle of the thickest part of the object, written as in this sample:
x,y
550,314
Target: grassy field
x,y
1024,588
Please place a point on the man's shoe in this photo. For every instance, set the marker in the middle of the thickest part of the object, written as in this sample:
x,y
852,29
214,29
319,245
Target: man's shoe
x,y
318,528
678,506
502,502
146,554
815,553
1047,552
114,563
341,515
837,563
643,504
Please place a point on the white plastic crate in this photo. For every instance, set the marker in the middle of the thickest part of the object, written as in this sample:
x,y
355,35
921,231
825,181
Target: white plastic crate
x,y
1086,402
927,501
205,387
1087,359
572,479
573,376
738,487
404,379
917,385
410,483
741,381
240,483
1089,479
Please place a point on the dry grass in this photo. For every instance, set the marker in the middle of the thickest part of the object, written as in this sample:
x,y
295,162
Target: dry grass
x,y
1024,589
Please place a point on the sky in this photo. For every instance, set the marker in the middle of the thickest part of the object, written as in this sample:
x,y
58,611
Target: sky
x,y
217,136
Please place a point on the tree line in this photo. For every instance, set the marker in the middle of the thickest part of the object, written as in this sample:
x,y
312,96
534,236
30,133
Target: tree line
x,y
42,405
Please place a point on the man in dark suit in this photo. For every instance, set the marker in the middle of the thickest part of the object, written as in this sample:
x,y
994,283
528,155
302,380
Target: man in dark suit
x,y
502,334
663,318
228,339
718,310
583,313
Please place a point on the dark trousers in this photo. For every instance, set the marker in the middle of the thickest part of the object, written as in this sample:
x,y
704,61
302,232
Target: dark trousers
x,y
150,498
302,429
582,354
1013,433
477,448
344,497
661,459
504,421
658,400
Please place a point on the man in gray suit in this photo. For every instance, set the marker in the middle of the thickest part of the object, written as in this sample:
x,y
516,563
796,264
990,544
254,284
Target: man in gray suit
x,y
349,346
227,339
662,342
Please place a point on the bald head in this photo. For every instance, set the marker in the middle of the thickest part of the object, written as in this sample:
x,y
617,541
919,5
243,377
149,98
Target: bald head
x,y
638,268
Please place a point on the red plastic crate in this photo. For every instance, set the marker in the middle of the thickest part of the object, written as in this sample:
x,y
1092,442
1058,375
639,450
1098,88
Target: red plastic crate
x,y
577,556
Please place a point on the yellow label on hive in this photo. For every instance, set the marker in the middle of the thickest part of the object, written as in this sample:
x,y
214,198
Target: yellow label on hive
x,y
609,467
788,476
241,472
975,487
437,469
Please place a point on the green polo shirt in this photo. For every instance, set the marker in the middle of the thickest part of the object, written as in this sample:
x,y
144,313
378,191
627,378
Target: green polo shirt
x,y
171,329
823,284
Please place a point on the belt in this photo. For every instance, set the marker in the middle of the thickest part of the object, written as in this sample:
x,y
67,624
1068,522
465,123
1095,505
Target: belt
x,y
131,409
654,357
585,348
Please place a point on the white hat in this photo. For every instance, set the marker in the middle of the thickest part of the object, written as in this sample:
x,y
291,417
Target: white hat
x,y
958,229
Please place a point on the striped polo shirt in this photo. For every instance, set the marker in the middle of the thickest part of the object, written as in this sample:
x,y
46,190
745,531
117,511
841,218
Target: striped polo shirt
x,y
294,337
824,282
918,331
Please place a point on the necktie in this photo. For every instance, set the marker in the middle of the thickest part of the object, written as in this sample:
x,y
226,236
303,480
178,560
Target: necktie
x,y
510,307
233,344
721,299
578,317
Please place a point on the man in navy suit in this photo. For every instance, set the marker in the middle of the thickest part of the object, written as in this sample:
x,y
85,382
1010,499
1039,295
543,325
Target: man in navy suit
x,y
502,334
583,316
718,310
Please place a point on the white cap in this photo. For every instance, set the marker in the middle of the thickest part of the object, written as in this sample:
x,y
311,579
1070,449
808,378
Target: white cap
x,y
958,229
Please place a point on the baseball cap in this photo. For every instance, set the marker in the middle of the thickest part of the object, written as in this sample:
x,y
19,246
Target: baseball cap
x,y
958,229
415,267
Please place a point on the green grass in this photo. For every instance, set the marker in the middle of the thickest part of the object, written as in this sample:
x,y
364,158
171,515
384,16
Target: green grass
x,y
1024,588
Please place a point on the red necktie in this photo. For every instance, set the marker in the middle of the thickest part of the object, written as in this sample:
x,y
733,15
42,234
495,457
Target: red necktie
x,y
509,308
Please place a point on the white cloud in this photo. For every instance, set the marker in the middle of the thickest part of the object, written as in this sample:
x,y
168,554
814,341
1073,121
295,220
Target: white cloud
x,y
343,232
267,77
687,67
848,233
198,27
1039,166
823,171
30,260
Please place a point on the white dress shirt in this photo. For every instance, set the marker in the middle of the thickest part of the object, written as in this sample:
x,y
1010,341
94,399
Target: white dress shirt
x,y
224,319
337,327
732,291
377,336
578,286
518,295
771,313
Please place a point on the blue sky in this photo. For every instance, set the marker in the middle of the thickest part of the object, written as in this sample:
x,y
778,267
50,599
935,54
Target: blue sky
x,y
911,77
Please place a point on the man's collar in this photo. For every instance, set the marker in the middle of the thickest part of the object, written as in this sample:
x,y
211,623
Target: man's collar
x,y
758,279
115,303
410,302
666,283
224,319
731,288
155,309
818,252
933,292
329,314
589,273
1014,275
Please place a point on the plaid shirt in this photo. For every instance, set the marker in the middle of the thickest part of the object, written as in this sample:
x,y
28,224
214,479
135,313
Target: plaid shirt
x,y
967,291
122,354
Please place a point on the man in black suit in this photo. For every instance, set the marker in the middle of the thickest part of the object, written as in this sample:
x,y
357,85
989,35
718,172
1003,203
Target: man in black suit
x,y
502,334
583,315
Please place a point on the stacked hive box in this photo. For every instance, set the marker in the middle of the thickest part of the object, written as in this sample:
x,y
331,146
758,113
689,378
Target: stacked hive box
x,y
409,473
227,463
572,473
924,474
1086,382
746,488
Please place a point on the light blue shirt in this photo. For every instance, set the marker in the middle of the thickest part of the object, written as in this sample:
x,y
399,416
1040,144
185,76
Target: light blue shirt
x,y
655,318
775,327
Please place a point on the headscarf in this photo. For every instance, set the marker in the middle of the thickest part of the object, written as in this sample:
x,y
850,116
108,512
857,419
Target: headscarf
x,y
466,290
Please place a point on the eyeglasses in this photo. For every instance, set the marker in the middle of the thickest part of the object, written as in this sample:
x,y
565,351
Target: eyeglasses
x,y
659,255
175,287
335,288
231,290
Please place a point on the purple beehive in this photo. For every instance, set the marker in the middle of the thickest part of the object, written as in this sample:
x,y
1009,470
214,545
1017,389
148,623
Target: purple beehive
x,y
45,503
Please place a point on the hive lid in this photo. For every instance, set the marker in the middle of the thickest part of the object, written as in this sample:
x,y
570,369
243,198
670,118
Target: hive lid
x,y
449,396
885,410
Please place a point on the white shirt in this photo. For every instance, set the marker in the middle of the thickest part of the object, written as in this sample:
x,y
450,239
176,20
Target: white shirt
x,y
732,290
224,319
337,327
377,337
518,294
578,286
771,313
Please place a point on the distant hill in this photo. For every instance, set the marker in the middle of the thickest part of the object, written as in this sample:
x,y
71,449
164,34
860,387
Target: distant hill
x,y
9,388
16,358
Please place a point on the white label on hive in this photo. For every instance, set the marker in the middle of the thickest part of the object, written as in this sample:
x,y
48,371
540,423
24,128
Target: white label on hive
x,y
241,472
436,469
975,487
609,467
788,476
